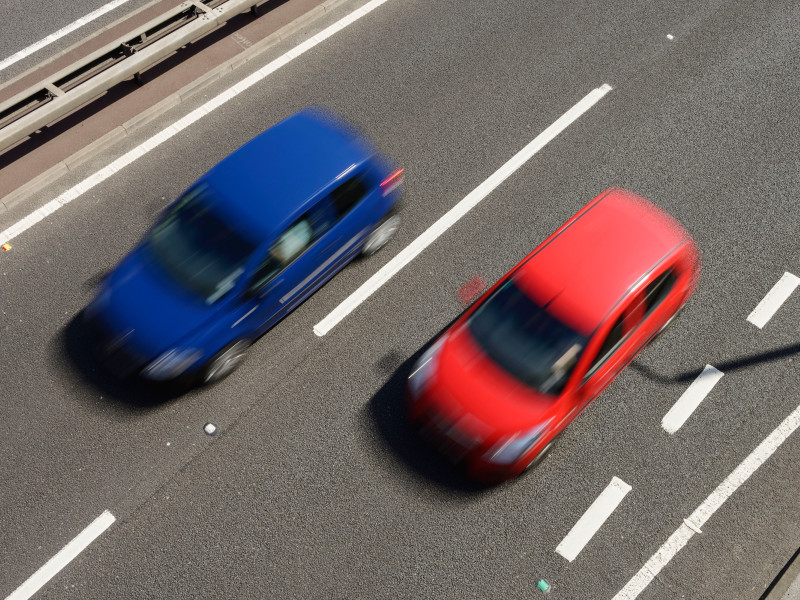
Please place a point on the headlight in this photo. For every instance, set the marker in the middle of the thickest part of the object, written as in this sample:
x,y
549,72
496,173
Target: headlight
x,y
424,368
172,363
511,448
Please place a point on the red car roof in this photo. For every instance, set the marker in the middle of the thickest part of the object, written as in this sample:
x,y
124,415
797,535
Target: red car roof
x,y
585,267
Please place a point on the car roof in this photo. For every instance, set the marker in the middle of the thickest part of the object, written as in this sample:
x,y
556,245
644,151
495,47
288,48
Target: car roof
x,y
582,271
264,185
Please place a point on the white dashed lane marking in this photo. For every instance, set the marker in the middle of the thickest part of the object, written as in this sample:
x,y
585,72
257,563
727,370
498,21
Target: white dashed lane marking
x,y
593,519
691,399
698,518
447,220
774,299
51,568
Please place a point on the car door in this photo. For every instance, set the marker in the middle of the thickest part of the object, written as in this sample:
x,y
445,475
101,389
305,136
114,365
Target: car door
x,y
278,280
356,209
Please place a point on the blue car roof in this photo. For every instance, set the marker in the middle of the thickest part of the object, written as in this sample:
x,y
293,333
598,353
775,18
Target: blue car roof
x,y
264,185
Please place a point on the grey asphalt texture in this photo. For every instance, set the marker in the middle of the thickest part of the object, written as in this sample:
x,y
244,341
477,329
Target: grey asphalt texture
x,y
315,487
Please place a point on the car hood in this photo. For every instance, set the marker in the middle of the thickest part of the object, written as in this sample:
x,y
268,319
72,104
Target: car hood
x,y
469,385
141,304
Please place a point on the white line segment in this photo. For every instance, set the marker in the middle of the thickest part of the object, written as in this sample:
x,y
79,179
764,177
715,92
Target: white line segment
x,y
702,513
767,308
691,399
197,114
4,64
472,199
63,558
593,519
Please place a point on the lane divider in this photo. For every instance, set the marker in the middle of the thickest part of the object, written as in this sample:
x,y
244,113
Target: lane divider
x,y
51,568
693,524
593,519
691,399
447,220
774,299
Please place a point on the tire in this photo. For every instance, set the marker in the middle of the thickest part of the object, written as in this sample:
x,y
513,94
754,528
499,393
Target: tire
x,y
536,460
381,234
225,362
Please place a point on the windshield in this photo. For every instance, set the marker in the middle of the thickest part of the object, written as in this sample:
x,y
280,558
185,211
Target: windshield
x,y
525,340
199,250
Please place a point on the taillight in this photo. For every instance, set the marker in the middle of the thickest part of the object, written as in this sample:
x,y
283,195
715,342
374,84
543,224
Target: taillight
x,y
392,182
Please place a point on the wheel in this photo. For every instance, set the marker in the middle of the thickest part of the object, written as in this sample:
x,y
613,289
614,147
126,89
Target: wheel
x,y
539,457
225,362
381,234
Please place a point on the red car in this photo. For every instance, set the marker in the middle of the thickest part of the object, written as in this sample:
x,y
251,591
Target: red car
x,y
528,356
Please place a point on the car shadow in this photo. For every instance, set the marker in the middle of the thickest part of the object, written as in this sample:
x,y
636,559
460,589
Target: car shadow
x,y
729,365
385,415
74,343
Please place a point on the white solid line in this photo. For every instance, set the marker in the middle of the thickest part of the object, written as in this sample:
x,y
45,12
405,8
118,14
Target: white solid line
x,y
161,137
702,513
60,33
63,558
767,308
593,519
691,399
411,251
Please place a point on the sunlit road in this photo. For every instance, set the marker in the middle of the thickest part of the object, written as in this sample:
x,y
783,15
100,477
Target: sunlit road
x,y
315,487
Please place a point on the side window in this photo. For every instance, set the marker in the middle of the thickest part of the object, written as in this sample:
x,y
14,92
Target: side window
x,y
609,345
321,218
285,249
348,194
292,242
658,289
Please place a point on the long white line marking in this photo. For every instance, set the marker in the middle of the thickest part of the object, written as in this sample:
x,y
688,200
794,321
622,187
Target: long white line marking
x,y
593,519
430,235
63,558
702,513
691,399
60,33
770,304
197,114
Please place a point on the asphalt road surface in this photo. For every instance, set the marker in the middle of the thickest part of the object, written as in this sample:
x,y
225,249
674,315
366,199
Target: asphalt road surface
x,y
315,487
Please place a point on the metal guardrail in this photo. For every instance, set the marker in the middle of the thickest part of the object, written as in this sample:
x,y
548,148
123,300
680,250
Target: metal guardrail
x,y
128,56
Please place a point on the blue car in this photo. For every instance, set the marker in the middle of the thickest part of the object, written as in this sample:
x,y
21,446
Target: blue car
x,y
243,246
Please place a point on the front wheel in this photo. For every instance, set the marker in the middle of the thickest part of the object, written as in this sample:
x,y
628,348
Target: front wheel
x,y
225,362
540,456
381,234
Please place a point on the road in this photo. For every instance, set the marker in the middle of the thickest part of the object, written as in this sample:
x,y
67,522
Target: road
x,y
314,487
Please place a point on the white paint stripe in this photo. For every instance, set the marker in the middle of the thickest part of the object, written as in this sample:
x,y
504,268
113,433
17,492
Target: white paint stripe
x,y
63,558
593,519
691,399
717,498
472,199
767,308
158,139
60,33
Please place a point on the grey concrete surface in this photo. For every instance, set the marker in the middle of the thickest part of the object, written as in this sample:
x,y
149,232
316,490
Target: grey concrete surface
x,y
314,488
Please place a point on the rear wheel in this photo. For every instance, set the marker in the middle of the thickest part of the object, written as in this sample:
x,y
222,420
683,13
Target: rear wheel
x,y
381,234
225,362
